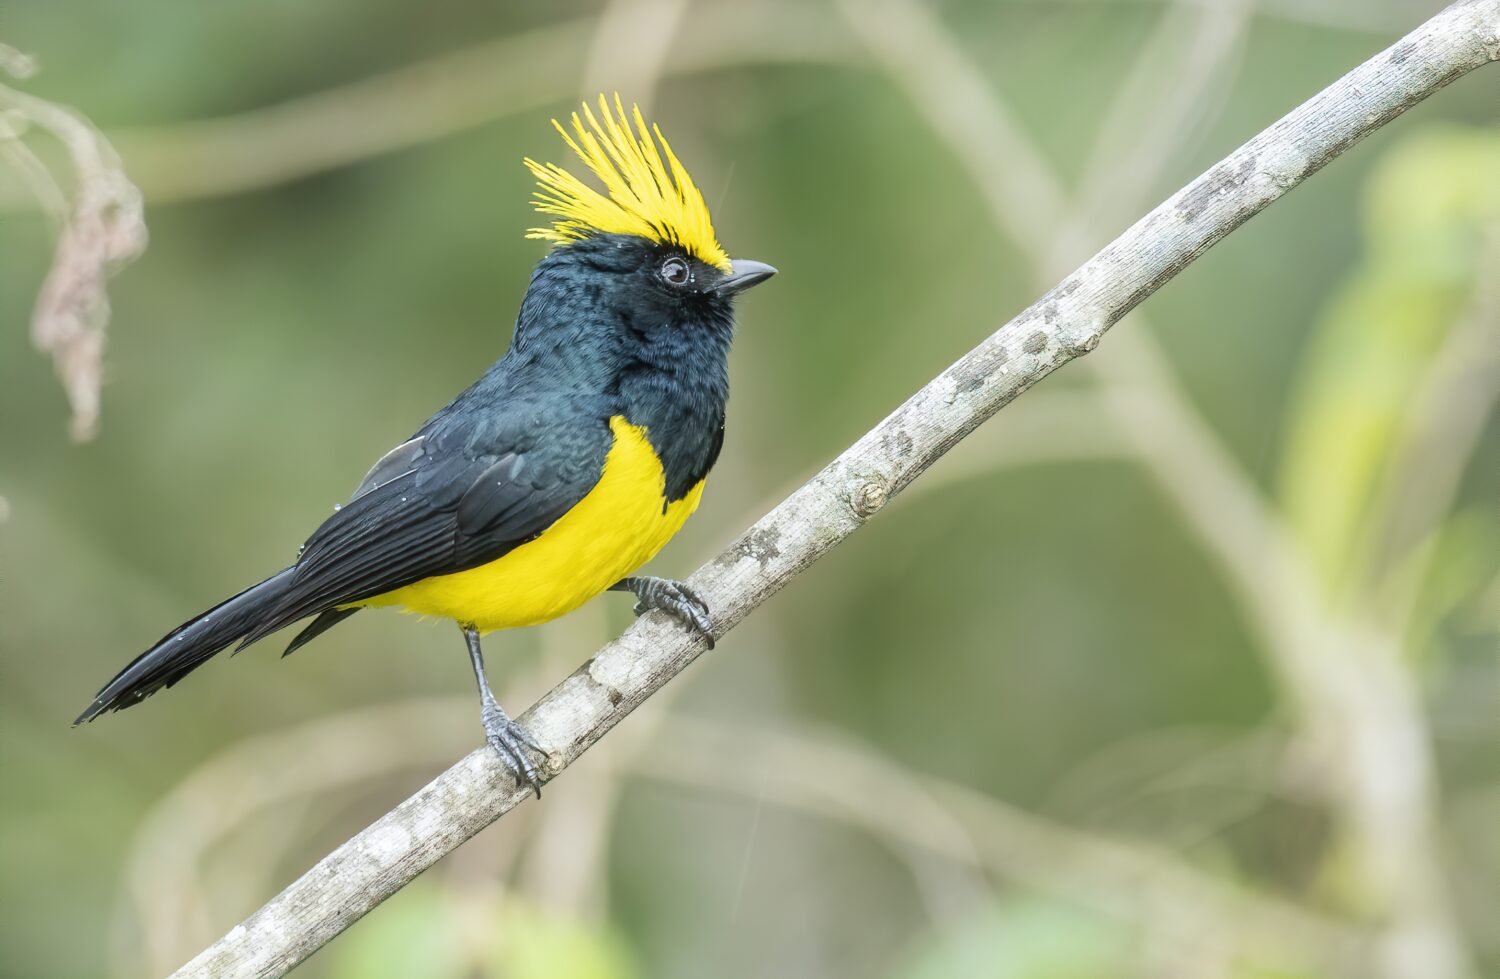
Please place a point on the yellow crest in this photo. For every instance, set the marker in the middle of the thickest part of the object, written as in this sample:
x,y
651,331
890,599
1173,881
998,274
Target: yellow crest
x,y
648,195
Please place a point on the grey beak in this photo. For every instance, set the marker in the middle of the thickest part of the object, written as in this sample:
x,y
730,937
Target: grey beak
x,y
746,274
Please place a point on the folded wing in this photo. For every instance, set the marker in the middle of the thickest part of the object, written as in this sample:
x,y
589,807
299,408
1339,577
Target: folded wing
x,y
446,501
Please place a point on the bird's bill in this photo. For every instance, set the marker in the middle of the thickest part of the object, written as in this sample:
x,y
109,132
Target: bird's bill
x,y
746,274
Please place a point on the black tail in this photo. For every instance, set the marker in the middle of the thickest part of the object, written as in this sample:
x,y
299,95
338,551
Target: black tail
x,y
188,646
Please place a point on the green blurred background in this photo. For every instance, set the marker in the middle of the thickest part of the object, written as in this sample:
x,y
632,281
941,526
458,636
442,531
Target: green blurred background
x,y
1183,666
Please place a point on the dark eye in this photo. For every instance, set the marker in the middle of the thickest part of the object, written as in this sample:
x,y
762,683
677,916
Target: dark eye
x,y
675,272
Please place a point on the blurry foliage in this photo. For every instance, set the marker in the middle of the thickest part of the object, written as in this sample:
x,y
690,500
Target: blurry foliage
x,y
1453,593
436,934
1427,210
270,345
1024,939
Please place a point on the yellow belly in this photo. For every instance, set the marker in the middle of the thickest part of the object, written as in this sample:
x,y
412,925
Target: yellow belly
x,y
614,530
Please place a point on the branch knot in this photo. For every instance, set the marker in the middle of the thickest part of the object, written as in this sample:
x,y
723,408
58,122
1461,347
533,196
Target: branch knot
x,y
869,497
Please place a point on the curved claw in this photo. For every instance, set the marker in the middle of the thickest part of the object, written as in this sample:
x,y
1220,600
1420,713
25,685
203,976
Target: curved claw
x,y
677,600
512,742
694,611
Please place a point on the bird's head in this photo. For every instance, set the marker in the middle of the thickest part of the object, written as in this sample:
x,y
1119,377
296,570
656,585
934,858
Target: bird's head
x,y
644,249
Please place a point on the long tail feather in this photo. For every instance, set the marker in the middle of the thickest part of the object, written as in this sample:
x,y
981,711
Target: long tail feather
x,y
317,627
188,646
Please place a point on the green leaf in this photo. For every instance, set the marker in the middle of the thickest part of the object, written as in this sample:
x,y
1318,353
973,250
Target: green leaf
x,y
1463,560
1425,207
432,933
537,944
411,935
1025,939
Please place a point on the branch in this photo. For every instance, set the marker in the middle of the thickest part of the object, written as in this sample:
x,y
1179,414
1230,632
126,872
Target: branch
x,y
1067,322
1351,719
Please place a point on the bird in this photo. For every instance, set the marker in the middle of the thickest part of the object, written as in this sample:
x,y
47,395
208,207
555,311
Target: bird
x,y
557,474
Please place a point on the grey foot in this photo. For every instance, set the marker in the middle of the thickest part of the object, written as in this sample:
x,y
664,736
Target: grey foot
x,y
509,739
672,597
514,746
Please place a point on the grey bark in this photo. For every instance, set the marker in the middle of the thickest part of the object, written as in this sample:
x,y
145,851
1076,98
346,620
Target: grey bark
x,y
1066,323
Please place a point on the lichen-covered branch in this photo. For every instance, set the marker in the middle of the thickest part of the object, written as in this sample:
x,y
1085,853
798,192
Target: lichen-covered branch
x,y
1349,718
1067,322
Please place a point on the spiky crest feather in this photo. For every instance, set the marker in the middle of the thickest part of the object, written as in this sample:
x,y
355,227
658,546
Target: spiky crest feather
x,y
649,195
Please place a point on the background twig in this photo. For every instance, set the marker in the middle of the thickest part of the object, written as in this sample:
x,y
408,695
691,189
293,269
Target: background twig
x,y
103,231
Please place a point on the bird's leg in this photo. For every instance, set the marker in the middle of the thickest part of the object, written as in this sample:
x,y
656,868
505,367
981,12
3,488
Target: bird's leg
x,y
509,739
674,598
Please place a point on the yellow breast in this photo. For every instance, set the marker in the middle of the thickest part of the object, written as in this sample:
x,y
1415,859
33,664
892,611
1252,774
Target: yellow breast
x,y
616,528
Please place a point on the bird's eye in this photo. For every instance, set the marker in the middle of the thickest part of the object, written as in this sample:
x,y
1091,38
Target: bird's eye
x,y
675,272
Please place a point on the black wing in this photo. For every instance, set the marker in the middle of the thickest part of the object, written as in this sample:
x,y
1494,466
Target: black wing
x,y
464,492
